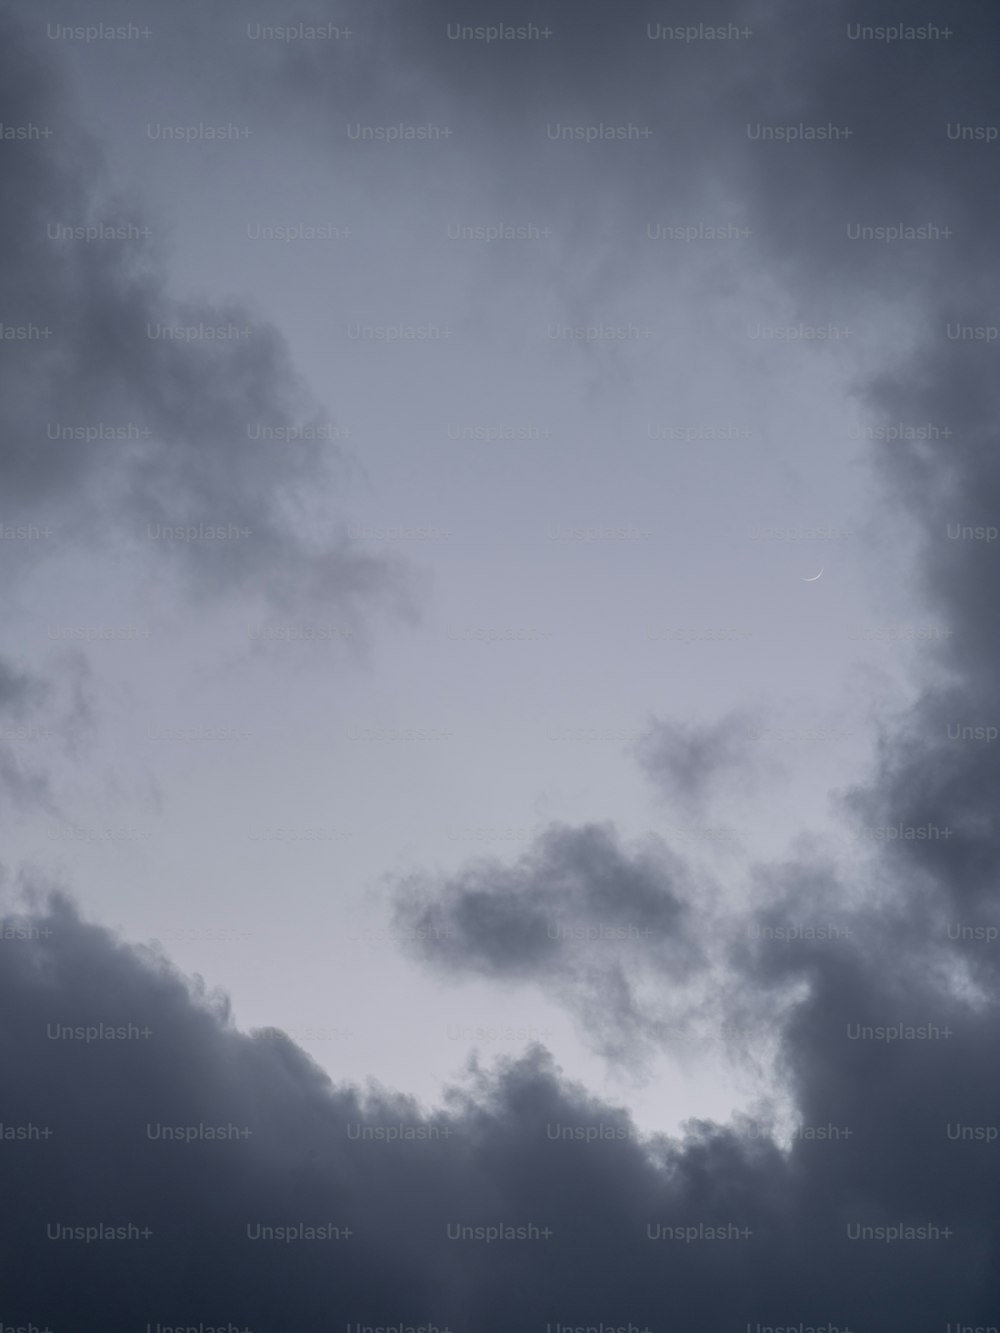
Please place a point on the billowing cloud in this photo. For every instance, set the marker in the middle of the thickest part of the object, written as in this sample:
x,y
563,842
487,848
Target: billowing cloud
x,y
871,985
139,1104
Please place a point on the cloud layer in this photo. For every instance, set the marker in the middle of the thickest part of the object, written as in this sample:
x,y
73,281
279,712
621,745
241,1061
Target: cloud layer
x,y
868,987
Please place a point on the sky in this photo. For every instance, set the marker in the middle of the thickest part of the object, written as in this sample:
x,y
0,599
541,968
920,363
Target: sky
x,y
498,708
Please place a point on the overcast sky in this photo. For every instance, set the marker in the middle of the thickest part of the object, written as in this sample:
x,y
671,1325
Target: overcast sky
x,y
498,557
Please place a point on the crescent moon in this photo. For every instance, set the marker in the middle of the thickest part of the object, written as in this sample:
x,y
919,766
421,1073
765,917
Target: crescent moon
x,y
814,577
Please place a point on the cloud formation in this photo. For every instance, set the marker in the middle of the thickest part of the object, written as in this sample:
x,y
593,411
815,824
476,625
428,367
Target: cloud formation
x,y
127,1072
871,987
136,420
578,916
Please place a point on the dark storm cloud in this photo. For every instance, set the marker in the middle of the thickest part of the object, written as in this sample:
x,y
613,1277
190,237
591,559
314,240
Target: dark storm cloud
x,y
577,915
84,1145
97,354
922,156
908,935
567,64
710,105
892,1100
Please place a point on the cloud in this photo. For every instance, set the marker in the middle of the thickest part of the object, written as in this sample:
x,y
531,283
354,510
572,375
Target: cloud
x,y
929,804
19,689
690,761
884,1037
106,346
39,714
524,1147
578,916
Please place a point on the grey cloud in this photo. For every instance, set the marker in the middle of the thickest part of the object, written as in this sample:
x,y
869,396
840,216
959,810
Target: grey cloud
x,y
19,689
511,1156
898,966
22,784
41,714
577,915
190,403
691,761
899,167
